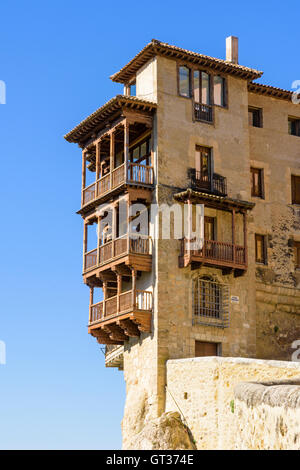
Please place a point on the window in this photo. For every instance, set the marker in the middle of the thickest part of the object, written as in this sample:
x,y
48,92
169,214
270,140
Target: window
x,y
202,96
210,302
260,249
297,254
219,91
257,186
184,81
133,89
295,189
294,126
203,166
203,348
140,153
206,89
255,117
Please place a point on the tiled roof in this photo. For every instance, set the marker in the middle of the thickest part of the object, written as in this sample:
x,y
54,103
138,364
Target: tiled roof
x,y
156,47
270,91
82,130
221,200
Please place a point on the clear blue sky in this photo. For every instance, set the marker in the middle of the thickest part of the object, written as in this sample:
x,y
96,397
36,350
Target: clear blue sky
x,y
55,58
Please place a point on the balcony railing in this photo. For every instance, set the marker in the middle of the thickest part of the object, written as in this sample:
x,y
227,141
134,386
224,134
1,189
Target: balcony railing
x,y
226,254
136,174
125,302
216,184
203,112
127,244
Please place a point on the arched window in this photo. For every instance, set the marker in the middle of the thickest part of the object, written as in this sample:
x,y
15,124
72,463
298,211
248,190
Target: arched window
x,y
210,302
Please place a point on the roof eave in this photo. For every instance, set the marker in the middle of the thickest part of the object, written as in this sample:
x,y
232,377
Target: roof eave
x,y
82,130
155,47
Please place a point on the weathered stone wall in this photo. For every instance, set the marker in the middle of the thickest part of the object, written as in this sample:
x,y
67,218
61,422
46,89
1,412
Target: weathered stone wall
x,y
202,389
278,321
268,415
277,153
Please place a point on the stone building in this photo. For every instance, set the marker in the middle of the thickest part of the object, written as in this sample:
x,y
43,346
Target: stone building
x,y
190,130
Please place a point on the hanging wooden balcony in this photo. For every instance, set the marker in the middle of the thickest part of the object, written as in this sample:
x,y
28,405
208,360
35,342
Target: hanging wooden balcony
x,y
131,250
215,184
213,253
116,180
117,318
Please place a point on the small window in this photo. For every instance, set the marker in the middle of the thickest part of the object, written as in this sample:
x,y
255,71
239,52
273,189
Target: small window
x,y
260,249
219,91
295,189
297,254
184,81
294,126
257,186
255,117
203,348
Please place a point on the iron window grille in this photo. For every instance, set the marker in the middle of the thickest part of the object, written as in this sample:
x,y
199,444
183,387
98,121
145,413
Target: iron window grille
x,y
210,303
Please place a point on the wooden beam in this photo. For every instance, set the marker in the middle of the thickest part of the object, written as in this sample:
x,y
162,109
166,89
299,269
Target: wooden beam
x,y
115,332
133,288
126,148
233,234
91,303
83,179
245,236
130,328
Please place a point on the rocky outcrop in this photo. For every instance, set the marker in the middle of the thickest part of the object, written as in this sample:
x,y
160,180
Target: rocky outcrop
x,y
167,432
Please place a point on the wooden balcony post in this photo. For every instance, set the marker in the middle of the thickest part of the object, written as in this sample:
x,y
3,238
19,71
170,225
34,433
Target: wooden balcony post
x,y
190,226
104,297
133,271
91,302
114,228
111,157
245,237
128,222
84,243
98,240
83,179
119,290
233,235
97,166
126,149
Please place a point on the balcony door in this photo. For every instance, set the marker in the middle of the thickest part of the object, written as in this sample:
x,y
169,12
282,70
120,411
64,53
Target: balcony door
x,y
209,228
203,166
210,236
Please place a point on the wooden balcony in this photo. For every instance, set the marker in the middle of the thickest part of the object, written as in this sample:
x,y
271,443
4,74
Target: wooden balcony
x,y
131,250
215,184
116,180
117,318
213,253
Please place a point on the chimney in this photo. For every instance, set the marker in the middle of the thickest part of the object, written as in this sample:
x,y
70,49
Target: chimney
x,y
232,49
